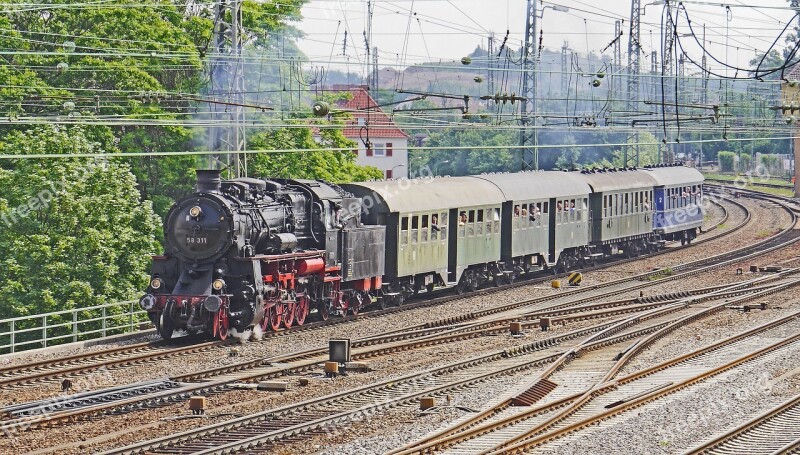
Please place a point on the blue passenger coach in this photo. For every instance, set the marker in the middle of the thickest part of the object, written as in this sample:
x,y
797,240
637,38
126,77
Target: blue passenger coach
x,y
678,202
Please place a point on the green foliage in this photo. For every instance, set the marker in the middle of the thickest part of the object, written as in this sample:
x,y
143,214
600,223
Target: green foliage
x,y
320,163
727,161
745,162
74,230
772,164
452,161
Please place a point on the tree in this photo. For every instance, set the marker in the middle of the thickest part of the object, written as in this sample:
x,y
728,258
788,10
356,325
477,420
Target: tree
x,y
320,163
765,62
75,232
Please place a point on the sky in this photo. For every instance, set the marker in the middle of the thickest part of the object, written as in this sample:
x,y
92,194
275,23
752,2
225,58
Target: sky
x,y
414,31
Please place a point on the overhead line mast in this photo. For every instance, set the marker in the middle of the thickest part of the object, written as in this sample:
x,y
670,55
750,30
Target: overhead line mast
x,y
227,82
529,136
631,152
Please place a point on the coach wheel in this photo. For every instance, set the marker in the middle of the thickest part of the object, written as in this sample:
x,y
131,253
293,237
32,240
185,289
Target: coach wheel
x,y
301,309
463,285
429,287
683,240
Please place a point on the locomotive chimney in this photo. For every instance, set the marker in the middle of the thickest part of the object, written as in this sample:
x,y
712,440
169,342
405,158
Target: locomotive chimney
x,y
208,180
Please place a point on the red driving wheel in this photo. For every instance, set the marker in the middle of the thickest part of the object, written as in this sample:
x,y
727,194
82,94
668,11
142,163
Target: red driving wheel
x,y
301,309
288,308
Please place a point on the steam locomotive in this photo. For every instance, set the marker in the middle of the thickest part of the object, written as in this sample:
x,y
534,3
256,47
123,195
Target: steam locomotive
x,y
248,253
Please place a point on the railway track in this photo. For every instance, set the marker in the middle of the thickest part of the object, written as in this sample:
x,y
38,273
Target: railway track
x,y
776,431
570,383
119,399
267,428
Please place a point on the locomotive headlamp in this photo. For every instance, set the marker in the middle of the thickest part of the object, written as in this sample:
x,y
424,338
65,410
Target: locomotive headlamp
x,y
156,283
195,211
218,284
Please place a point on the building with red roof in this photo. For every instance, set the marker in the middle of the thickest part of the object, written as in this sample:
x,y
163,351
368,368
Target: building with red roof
x,y
369,124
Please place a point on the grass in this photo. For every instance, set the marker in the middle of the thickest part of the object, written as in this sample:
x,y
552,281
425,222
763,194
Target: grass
x,y
753,184
722,226
754,180
762,234
661,274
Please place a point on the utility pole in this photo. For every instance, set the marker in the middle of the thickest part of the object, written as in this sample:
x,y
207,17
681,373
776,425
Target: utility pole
x,y
490,64
616,82
669,96
564,67
704,93
372,61
376,83
631,153
227,81
528,135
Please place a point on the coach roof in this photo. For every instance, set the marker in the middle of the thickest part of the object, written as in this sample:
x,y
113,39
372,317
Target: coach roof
x,y
619,180
428,194
521,186
675,175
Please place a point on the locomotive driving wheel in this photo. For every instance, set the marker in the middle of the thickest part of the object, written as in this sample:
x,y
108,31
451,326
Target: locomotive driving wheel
x,y
288,309
272,319
301,309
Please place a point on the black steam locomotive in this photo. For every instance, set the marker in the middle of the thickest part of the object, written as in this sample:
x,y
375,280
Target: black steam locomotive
x,y
249,252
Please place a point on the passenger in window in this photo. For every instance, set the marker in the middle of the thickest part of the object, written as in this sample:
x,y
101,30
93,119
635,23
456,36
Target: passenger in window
x,y
572,206
646,203
435,222
524,211
516,210
559,207
462,219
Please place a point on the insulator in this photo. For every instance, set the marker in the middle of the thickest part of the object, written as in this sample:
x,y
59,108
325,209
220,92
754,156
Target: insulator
x,y
321,109
69,106
601,75
789,119
466,60
478,79
69,46
61,67
596,83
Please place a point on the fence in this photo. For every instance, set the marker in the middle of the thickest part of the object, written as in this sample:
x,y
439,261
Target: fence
x,y
79,324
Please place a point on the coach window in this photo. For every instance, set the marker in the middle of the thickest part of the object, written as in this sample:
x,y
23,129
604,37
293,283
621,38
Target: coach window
x,y
443,226
471,224
479,224
496,219
424,229
404,231
414,230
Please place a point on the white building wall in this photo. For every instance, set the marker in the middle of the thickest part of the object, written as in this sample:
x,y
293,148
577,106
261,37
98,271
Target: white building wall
x,y
397,163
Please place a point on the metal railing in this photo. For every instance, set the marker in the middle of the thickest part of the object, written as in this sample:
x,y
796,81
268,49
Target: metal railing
x,y
69,326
